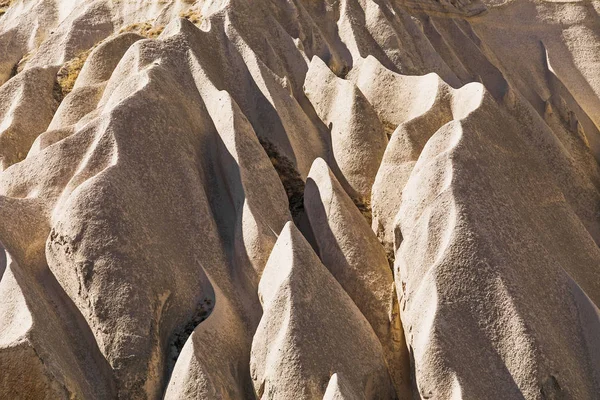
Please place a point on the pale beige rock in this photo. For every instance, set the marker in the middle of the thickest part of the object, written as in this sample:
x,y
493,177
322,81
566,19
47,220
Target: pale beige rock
x,y
269,78
46,352
353,255
224,339
91,80
425,103
169,303
74,107
310,329
389,33
566,30
339,389
150,177
79,248
473,297
396,98
27,95
3,261
87,24
357,137
102,61
213,364
26,244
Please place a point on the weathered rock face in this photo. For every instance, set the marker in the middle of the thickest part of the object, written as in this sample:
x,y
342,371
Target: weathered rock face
x,y
357,137
515,299
372,199
310,328
465,8
353,255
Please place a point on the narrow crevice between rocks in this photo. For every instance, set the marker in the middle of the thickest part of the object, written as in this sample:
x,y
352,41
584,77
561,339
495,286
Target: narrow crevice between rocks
x,y
290,178
3,261
391,253
14,71
345,70
57,92
51,377
181,336
203,310
391,259
551,389
68,73
388,128
364,206
20,65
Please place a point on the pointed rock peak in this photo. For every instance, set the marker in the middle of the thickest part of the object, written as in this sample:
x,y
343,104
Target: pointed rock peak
x,y
322,188
320,173
357,143
291,251
350,250
317,64
103,59
311,327
291,238
319,167
467,99
339,389
179,26
319,74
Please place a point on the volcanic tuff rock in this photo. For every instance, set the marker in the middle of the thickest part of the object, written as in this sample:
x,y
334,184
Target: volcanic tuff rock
x,y
351,252
283,199
311,328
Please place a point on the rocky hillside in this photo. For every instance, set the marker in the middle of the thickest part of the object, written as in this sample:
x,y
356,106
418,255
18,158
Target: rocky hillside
x,y
300,199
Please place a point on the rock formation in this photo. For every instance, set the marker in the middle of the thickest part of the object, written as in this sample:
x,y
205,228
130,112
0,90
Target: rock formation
x,y
352,253
310,329
303,199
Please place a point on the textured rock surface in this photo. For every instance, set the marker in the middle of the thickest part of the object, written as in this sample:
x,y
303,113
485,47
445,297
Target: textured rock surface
x,y
351,252
439,158
357,137
457,245
310,329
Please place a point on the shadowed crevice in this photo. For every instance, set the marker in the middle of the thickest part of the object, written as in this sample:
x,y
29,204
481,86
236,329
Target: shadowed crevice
x,y
290,178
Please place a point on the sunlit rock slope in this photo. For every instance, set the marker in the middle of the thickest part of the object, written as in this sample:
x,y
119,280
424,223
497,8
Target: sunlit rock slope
x,y
300,199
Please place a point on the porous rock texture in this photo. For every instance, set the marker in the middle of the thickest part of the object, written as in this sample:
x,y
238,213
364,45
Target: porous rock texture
x,y
300,199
